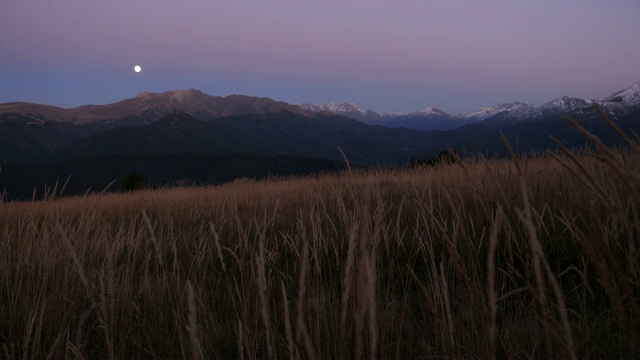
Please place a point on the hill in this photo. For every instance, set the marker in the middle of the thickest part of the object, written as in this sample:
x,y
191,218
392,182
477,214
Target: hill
x,y
94,174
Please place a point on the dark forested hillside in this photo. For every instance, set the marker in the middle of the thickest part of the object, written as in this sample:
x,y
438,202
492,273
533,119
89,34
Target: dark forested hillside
x,y
18,182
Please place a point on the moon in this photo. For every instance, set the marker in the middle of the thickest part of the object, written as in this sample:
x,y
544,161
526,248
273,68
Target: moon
x,y
137,68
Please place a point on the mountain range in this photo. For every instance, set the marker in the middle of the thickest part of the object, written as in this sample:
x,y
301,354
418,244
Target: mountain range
x,y
148,107
241,135
501,115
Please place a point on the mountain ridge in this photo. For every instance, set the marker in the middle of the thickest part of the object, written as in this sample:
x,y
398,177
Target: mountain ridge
x,y
42,112
500,115
272,127
148,107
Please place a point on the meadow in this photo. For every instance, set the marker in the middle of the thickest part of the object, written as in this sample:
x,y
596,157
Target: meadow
x,y
530,257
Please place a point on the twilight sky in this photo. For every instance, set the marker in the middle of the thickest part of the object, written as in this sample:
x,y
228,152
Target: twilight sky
x,y
389,56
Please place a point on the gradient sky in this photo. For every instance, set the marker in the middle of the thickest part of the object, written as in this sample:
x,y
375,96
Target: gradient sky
x,y
389,56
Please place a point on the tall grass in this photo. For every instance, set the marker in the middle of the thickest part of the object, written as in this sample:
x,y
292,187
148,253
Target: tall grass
x,y
530,257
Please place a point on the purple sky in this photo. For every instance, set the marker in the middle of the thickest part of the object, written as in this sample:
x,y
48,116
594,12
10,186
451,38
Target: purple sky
x,y
389,56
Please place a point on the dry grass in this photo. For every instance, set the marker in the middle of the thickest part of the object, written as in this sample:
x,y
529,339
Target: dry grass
x,y
531,257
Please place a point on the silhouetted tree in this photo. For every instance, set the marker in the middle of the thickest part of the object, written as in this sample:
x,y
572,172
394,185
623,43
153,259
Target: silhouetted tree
x,y
133,182
444,158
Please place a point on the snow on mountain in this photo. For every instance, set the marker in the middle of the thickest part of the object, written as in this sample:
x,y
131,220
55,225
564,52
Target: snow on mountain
x,y
428,119
351,110
505,114
616,105
393,115
630,95
509,113
430,111
352,107
554,107
487,112
338,108
622,102
566,104
518,111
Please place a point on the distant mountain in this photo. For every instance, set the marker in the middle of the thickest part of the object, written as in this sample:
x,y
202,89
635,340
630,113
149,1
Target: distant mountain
x,y
148,107
502,115
180,147
617,105
189,121
430,111
623,102
280,134
351,110
40,113
519,112
319,136
630,95
428,119
487,112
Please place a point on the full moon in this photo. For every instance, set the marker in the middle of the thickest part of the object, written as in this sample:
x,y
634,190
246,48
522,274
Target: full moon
x,y
137,68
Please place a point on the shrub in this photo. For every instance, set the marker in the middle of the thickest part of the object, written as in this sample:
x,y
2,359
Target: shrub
x,y
133,182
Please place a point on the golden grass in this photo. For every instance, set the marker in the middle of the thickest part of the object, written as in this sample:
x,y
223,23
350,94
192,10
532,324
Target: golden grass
x,y
534,257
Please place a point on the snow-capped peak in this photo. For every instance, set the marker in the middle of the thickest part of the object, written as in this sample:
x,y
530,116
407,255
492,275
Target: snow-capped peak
x,y
339,108
566,103
616,104
628,95
351,110
487,112
431,111
520,111
346,107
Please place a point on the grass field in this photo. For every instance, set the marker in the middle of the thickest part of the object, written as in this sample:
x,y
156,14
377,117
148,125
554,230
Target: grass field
x,y
535,257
